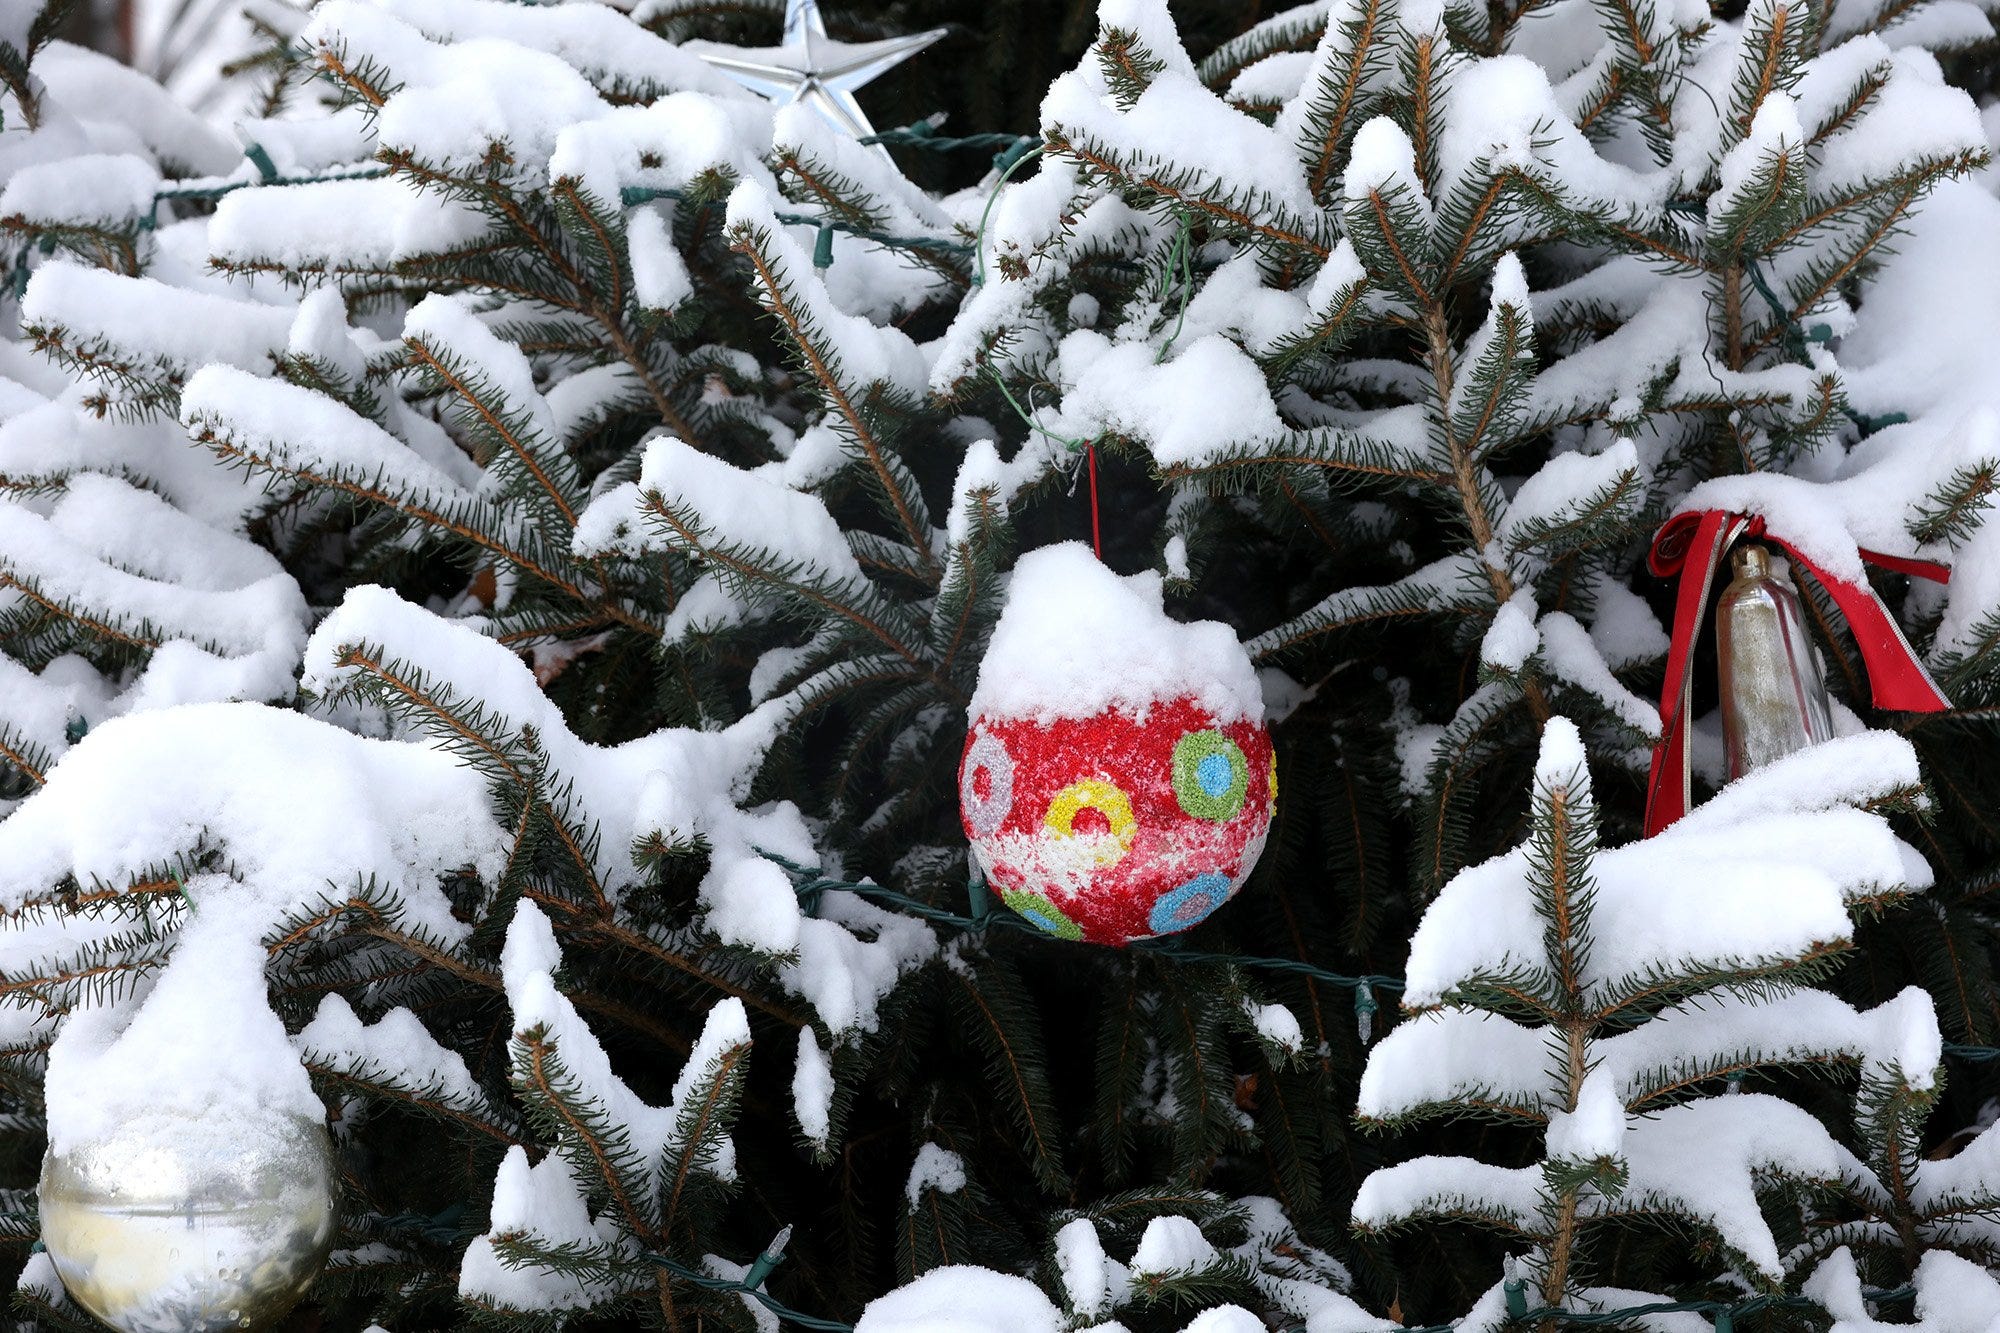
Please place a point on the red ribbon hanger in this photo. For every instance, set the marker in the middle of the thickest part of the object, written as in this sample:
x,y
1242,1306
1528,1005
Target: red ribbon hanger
x,y
1692,545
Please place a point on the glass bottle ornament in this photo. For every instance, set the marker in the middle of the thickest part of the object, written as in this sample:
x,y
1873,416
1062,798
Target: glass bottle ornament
x,y
171,1223
1773,696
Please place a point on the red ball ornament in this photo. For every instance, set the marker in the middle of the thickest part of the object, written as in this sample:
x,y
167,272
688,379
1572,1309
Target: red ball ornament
x,y
1139,818
1115,828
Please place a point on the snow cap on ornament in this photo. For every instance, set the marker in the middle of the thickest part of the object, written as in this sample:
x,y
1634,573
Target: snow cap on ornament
x,y
1118,780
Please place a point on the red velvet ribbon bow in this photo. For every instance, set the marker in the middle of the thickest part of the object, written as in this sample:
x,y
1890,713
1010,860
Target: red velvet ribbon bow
x,y
1691,545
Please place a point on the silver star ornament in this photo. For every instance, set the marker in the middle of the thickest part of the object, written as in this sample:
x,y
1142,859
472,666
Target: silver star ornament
x,y
810,67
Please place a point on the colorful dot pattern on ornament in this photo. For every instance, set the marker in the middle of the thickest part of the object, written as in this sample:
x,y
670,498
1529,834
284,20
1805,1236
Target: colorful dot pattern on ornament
x,y
1116,828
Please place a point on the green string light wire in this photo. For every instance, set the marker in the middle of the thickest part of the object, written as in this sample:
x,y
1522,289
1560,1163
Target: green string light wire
x,y
1180,256
757,1293
810,885
924,134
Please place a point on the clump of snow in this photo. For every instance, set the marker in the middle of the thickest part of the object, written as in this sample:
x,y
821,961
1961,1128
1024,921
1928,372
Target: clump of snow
x,y
743,509
1076,640
1087,1273
396,1046
1595,1129
1171,1245
660,278
1276,1024
812,1089
936,1169
1210,396
964,1299
202,1045
545,1202
1383,161
1511,639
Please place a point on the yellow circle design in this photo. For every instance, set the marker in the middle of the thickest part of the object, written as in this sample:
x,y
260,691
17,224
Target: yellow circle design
x,y
1093,794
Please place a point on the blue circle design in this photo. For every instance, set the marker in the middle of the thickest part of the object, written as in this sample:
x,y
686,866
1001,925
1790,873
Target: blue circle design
x,y
1189,904
1215,774
1041,916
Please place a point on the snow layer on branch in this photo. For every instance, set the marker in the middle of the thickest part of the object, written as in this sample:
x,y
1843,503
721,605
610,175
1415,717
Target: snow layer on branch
x,y
339,137
95,87
741,509
1153,25
1574,657
359,225
1443,1055
1383,161
1091,1281
901,207
295,805
1916,114
38,708
295,426
660,278
1076,640
1170,1246
1595,1129
851,955
528,962
1422,1184
702,771
177,327
665,145
228,620
604,44
1700,1159
1178,120
1623,625
1026,216
1760,872
867,354
545,1203
1561,483
200,1050
1775,133
449,328
936,1169
90,190
1954,1295
678,784
454,100
1962,1182
396,1046
1234,300
1511,638
1919,345
964,1299
726,1029
1926,343
1209,397
1899,1036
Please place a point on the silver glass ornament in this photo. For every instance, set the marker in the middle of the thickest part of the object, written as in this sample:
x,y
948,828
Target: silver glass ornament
x,y
177,1223
1773,697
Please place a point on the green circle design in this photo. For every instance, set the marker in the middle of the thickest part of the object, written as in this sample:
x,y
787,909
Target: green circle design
x,y
1190,752
1042,913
